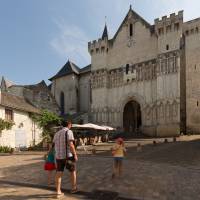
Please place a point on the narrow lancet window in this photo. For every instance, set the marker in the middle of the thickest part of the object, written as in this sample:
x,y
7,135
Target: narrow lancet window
x,y
131,30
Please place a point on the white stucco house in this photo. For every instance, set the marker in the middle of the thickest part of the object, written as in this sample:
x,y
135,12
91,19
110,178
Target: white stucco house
x,y
18,103
24,132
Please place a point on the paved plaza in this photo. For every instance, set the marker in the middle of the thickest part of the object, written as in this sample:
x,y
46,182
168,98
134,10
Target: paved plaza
x,y
166,171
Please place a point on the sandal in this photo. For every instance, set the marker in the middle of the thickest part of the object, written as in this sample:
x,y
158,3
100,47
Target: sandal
x,y
73,191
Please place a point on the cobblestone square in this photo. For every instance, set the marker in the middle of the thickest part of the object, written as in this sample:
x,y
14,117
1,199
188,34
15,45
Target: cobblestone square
x,y
165,171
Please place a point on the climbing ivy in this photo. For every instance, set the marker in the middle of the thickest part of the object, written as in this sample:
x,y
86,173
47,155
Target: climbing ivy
x,y
5,125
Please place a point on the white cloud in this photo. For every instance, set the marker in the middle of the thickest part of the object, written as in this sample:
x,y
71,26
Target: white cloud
x,y
71,43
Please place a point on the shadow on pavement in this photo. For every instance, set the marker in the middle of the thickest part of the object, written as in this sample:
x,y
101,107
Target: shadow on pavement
x,y
96,194
27,197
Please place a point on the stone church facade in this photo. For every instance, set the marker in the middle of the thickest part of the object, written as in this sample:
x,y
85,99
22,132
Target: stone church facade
x,y
145,79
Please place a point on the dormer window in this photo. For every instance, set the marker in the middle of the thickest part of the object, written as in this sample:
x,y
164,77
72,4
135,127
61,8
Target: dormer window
x,y
131,30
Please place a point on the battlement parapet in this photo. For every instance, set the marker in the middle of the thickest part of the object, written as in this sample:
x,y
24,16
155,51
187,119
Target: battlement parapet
x,y
168,24
191,27
97,46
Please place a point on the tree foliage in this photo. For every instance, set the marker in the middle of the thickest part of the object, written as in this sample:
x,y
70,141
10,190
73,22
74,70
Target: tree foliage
x,y
46,121
5,125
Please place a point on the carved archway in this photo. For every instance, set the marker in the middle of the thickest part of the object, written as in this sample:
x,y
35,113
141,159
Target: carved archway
x,y
132,96
132,117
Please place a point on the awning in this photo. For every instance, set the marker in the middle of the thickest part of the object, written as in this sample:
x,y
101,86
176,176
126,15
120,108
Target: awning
x,y
92,126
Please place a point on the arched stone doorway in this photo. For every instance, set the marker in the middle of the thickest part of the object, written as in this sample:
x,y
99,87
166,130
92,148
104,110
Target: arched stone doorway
x,y
132,119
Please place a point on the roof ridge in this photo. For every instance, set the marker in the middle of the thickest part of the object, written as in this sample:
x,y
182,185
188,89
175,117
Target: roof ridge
x,y
67,69
137,15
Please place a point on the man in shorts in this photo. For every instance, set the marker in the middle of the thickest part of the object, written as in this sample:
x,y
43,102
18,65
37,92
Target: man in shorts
x,y
65,151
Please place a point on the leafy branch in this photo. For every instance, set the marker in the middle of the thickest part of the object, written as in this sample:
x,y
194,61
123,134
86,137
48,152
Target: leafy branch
x,y
46,121
5,125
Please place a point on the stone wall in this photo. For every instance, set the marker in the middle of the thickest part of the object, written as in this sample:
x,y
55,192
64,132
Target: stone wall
x,y
69,86
38,95
192,51
84,92
145,68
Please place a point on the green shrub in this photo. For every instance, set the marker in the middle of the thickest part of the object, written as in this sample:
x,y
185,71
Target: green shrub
x,y
47,120
5,149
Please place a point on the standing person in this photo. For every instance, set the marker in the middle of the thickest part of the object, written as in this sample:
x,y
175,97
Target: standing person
x,y
71,158
65,150
49,165
118,152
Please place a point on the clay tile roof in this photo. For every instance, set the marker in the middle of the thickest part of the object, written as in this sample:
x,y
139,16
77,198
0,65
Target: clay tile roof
x,y
67,69
16,102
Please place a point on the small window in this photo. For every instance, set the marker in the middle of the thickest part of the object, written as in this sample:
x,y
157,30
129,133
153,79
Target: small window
x,y
8,114
195,67
187,32
160,31
167,47
197,29
102,49
127,68
97,50
176,26
107,50
168,29
197,103
127,80
133,68
48,98
131,30
62,103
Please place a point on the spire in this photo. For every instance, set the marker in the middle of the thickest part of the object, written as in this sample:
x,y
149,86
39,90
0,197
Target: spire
x,y
105,33
130,7
3,84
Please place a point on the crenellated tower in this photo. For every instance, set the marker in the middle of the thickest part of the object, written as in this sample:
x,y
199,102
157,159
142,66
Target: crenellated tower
x,y
98,50
169,31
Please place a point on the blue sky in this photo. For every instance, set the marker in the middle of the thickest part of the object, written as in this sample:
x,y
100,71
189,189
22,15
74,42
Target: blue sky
x,y
37,37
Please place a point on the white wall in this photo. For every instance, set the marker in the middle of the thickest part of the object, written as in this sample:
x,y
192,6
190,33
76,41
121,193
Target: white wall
x,y
7,137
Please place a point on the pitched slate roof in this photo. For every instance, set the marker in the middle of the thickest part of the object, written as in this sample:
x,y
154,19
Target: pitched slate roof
x,y
105,33
85,69
70,68
16,102
67,69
